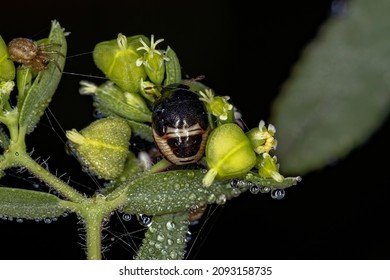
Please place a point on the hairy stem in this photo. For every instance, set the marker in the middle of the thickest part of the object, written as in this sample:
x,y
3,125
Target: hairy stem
x,y
93,226
21,158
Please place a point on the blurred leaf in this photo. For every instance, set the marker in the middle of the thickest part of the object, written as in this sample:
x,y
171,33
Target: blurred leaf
x,y
20,203
339,92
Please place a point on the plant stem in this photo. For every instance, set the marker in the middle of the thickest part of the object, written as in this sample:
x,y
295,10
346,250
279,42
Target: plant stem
x,y
93,226
21,158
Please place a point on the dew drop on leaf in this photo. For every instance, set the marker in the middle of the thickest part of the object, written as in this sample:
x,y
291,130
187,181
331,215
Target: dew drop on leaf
x,y
173,255
265,189
170,225
254,189
160,237
126,217
221,199
145,220
278,194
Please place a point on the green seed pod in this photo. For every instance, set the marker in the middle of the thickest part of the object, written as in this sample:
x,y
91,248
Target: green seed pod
x,y
117,60
7,67
229,153
102,147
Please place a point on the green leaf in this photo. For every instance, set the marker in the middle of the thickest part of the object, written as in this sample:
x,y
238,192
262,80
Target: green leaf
x,y
26,204
339,92
172,68
41,91
7,67
23,82
182,190
110,100
142,130
4,139
165,239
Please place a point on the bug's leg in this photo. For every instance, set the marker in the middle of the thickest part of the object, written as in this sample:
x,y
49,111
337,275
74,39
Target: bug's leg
x,y
52,52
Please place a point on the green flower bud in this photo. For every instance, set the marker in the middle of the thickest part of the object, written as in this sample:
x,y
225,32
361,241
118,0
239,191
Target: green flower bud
x,y
262,139
112,100
7,67
102,147
117,60
229,153
218,106
153,61
268,167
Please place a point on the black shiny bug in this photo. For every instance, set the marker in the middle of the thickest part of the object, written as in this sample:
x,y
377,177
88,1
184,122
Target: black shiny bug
x,y
180,125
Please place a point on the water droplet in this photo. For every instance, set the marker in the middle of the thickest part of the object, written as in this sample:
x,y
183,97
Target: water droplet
x,y
10,219
17,154
192,196
160,237
241,184
278,193
19,220
47,220
254,189
105,221
170,242
179,241
191,174
265,189
170,225
145,220
65,214
173,255
233,183
112,239
236,192
164,253
298,179
211,198
221,199
177,187
188,236
126,217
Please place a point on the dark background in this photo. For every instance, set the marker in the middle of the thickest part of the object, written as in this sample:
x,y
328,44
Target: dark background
x,y
245,52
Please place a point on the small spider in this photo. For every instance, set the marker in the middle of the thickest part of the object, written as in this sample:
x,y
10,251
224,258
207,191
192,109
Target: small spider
x,y
30,54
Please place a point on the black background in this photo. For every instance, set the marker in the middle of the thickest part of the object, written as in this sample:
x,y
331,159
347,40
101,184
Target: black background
x,y
245,52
